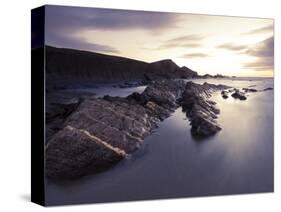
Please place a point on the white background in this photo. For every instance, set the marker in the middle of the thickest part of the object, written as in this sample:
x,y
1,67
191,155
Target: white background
x,y
15,104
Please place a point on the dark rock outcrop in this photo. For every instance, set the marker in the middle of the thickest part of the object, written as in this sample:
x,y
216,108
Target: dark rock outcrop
x,y
248,90
110,123
206,76
268,89
75,152
130,84
238,95
220,76
59,105
102,131
188,73
224,94
201,112
164,93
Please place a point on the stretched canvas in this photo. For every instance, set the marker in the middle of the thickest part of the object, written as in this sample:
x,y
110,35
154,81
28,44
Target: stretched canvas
x,y
140,105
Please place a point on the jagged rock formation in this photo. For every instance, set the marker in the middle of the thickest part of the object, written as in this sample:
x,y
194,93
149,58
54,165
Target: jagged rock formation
x,y
201,112
68,67
102,131
120,123
59,105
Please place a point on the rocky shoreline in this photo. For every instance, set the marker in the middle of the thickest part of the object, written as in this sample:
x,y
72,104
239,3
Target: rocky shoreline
x,y
101,131
88,134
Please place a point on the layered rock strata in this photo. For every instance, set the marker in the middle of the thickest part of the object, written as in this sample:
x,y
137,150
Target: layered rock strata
x,y
102,131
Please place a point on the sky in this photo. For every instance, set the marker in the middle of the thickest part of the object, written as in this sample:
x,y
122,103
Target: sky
x,y
233,46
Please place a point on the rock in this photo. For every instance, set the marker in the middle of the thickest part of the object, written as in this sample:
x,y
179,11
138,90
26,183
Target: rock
x,y
252,90
168,69
224,94
200,111
249,90
206,76
268,89
211,102
130,84
220,76
203,126
102,131
239,95
73,152
59,105
164,93
116,122
187,73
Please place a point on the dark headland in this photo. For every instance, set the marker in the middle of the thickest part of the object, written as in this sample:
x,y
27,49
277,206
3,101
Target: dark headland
x,y
69,67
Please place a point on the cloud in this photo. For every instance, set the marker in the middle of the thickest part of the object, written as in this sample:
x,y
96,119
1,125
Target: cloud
x,y
265,29
77,18
178,45
263,49
62,23
261,64
232,47
75,43
194,55
187,41
186,38
264,55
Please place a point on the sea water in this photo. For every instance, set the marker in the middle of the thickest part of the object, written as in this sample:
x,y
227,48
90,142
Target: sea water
x,y
171,163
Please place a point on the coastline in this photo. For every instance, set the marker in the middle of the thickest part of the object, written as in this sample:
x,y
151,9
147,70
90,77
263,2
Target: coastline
x,y
131,171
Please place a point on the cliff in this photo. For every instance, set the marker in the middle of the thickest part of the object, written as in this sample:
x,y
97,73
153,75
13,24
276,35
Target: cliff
x,y
70,67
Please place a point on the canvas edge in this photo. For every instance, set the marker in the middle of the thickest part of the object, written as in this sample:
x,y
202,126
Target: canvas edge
x,y
38,106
